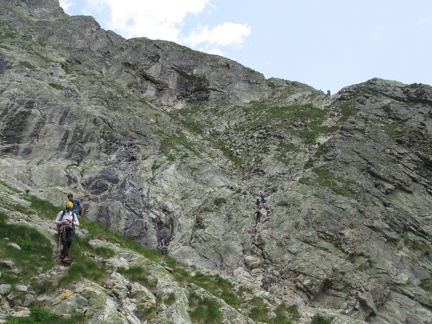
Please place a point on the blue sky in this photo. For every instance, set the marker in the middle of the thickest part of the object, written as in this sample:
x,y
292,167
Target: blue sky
x,y
327,44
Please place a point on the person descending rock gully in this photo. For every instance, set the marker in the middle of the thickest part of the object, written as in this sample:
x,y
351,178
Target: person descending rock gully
x,y
77,205
66,221
258,203
262,211
257,216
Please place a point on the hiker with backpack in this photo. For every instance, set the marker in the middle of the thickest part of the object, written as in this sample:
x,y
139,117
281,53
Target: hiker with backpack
x,y
258,215
66,221
78,207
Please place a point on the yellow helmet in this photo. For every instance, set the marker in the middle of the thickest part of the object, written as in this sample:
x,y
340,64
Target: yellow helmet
x,y
69,205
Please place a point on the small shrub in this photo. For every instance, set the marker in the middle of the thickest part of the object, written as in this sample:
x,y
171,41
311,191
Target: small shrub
x,y
219,201
320,319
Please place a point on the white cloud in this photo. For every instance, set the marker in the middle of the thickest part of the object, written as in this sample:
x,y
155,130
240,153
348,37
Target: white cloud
x,y
65,4
164,19
224,34
160,19
215,51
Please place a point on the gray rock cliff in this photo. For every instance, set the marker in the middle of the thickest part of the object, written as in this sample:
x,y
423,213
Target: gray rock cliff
x,y
172,146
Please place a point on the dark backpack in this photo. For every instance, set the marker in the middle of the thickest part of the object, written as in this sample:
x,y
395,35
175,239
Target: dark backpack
x,y
81,208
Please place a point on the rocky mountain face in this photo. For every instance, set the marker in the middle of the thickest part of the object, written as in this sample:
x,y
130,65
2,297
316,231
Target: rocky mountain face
x,y
170,146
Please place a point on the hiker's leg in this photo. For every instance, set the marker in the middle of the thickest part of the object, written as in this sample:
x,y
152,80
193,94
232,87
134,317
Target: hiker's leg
x,y
70,237
61,238
66,239
65,248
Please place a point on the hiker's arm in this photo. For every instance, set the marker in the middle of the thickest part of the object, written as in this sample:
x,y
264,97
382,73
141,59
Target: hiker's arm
x,y
57,219
75,220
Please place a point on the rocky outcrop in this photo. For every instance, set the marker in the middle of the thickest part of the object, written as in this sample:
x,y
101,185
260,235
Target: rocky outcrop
x,y
114,281
170,147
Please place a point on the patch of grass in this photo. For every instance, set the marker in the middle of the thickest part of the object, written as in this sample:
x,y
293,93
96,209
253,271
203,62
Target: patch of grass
x,y
320,319
322,150
204,310
97,231
230,298
259,314
4,33
244,290
186,117
334,183
31,50
56,86
171,142
43,208
192,126
104,252
292,310
35,250
302,120
347,110
181,275
26,244
41,315
396,130
286,151
284,314
22,209
217,286
83,267
3,219
257,301
314,131
9,187
288,147
137,274
228,154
